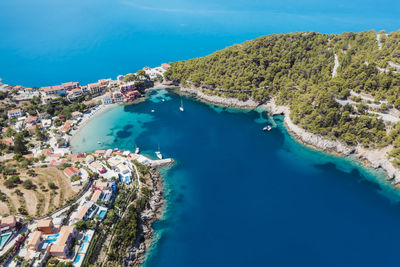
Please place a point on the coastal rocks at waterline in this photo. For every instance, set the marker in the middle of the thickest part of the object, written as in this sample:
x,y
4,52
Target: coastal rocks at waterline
x,y
136,254
219,100
376,158
308,138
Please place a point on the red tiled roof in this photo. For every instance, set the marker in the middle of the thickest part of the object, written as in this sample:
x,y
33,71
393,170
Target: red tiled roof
x,y
70,84
31,119
14,110
71,171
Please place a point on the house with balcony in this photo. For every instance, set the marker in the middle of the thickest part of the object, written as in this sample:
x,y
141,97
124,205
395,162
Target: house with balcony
x,y
117,97
46,226
74,93
54,90
107,100
70,85
61,248
15,113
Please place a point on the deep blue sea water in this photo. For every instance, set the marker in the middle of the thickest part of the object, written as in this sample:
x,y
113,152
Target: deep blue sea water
x,y
238,196
46,42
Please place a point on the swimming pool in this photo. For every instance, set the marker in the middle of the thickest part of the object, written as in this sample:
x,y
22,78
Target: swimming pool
x,y
102,213
83,248
87,237
78,258
51,238
127,179
4,238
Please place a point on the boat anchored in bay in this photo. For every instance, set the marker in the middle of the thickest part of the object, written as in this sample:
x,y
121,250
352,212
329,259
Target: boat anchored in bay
x,y
181,107
267,128
158,153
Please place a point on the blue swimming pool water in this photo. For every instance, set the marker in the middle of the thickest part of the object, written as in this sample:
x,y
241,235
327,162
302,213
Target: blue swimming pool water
x,y
127,179
87,237
78,258
83,247
51,238
4,238
102,213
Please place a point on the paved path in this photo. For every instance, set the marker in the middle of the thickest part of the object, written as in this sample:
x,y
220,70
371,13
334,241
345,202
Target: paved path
x,y
335,67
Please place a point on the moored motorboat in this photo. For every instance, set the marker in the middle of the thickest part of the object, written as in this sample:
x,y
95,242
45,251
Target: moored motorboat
x,y
267,128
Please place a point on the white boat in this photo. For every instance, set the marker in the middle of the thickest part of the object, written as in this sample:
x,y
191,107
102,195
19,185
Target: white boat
x,y
181,107
152,110
137,150
163,100
98,142
267,128
158,153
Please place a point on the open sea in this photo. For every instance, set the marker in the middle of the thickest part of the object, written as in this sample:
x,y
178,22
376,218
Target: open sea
x,y
47,42
237,196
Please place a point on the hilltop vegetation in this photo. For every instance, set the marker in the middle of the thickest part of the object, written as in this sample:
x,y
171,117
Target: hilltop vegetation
x,y
296,70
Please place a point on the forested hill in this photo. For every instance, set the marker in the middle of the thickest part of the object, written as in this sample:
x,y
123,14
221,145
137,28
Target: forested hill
x,y
358,105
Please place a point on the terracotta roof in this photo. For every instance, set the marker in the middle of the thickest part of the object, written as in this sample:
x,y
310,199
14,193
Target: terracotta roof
x,y
165,66
76,90
31,119
8,220
52,88
96,195
7,141
89,102
70,171
61,244
47,151
45,223
81,212
70,84
101,185
58,87
94,84
66,126
57,162
33,127
35,238
14,110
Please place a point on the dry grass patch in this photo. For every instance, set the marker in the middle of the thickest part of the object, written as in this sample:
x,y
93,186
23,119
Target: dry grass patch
x,y
41,199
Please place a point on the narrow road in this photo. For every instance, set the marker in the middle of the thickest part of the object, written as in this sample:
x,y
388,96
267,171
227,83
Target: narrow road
x,y
335,67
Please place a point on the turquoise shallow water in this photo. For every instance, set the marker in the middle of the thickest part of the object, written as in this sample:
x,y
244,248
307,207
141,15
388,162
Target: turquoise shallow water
x,y
238,196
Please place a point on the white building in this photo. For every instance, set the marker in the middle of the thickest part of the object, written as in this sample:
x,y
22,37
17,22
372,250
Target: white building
x,y
107,100
15,113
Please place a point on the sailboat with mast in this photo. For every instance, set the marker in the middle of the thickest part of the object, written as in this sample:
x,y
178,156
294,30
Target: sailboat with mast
x,y
181,107
158,153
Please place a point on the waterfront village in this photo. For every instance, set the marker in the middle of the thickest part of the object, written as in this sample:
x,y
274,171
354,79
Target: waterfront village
x,y
53,201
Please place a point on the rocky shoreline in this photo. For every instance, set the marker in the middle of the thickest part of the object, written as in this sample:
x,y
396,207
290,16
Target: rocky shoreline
x,y
219,100
137,252
376,158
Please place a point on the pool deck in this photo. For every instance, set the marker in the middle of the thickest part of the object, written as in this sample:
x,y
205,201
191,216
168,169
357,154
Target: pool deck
x,y
89,233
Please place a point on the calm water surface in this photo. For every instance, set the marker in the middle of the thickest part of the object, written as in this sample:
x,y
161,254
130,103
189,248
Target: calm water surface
x,y
46,42
239,196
